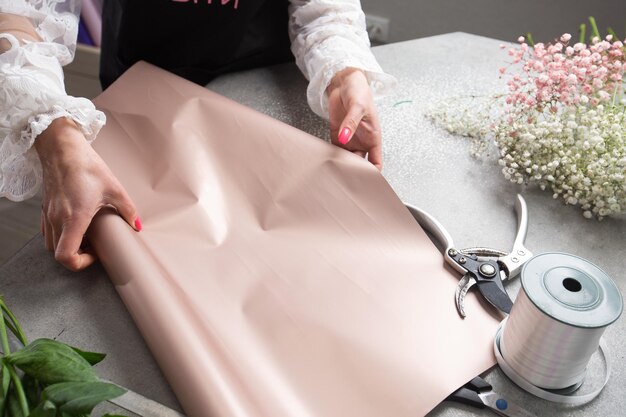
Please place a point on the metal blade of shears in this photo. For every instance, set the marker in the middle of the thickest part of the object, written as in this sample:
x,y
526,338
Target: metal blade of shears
x,y
486,273
437,233
492,289
495,294
461,290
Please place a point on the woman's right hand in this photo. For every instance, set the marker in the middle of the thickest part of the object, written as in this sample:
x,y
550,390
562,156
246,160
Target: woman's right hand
x,y
76,184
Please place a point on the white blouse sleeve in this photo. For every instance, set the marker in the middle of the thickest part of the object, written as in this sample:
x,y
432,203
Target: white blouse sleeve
x,y
328,36
32,91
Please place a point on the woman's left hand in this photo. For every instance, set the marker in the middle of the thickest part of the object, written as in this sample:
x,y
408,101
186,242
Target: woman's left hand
x,y
354,123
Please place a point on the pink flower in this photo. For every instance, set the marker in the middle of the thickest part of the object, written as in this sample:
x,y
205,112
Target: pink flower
x,y
521,39
557,76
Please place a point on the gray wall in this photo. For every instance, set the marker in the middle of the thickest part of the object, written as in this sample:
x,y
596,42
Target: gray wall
x,y
500,19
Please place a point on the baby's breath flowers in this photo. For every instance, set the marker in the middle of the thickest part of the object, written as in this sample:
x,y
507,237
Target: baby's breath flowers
x,y
562,123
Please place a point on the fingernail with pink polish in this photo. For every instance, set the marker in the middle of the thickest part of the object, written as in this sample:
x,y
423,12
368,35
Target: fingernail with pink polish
x,y
138,225
344,136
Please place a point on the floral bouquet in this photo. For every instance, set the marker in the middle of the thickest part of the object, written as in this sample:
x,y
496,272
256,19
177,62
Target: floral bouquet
x,y
562,123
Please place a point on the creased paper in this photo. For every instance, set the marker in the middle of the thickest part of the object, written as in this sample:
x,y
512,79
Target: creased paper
x,y
277,275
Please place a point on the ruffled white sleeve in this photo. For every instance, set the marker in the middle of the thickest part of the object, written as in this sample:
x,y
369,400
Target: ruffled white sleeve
x,y
328,36
32,91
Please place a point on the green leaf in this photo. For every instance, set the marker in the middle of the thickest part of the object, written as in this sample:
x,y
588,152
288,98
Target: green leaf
x,y
76,398
92,357
31,389
51,362
44,409
13,404
113,415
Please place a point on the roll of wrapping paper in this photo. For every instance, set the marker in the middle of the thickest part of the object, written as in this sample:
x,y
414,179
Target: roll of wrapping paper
x,y
276,274
559,316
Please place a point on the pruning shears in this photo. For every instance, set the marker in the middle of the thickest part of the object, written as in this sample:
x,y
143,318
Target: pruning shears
x,y
485,267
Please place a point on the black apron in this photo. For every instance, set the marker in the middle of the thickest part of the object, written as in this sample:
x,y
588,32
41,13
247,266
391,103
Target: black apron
x,y
196,39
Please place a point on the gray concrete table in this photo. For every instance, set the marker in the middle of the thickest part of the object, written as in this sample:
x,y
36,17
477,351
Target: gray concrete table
x,y
425,166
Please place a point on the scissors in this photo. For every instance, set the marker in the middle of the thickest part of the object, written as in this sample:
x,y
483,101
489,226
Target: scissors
x,y
479,393
486,267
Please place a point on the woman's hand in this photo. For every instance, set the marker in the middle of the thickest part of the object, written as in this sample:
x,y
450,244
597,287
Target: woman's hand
x,y
76,184
354,122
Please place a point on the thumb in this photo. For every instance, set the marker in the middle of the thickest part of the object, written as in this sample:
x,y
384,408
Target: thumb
x,y
350,123
126,209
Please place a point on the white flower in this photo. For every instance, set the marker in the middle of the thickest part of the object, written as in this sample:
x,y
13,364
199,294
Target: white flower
x,y
576,148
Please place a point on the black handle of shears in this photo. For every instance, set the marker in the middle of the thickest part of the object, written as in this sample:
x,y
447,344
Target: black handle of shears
x,y
479,385
468,393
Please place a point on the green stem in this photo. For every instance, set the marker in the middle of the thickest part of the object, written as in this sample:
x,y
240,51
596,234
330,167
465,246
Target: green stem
x,y
10,326
15,328
595,33
530,40
19,389
4,337
6,350
583,32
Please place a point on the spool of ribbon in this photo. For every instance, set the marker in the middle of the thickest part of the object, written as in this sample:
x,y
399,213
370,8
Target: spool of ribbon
x,y
556,324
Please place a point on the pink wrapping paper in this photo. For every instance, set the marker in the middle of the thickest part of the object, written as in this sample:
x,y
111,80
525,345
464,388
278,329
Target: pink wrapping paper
x,y
276,275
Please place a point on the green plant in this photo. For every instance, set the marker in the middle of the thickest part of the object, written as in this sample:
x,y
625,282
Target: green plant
x,y
46,378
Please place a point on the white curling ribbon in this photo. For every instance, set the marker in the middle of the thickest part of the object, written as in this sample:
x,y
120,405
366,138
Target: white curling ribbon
x,y
555,326
574,400
544,351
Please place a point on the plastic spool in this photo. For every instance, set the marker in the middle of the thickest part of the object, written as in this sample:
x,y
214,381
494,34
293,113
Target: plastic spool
x,y
556,324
